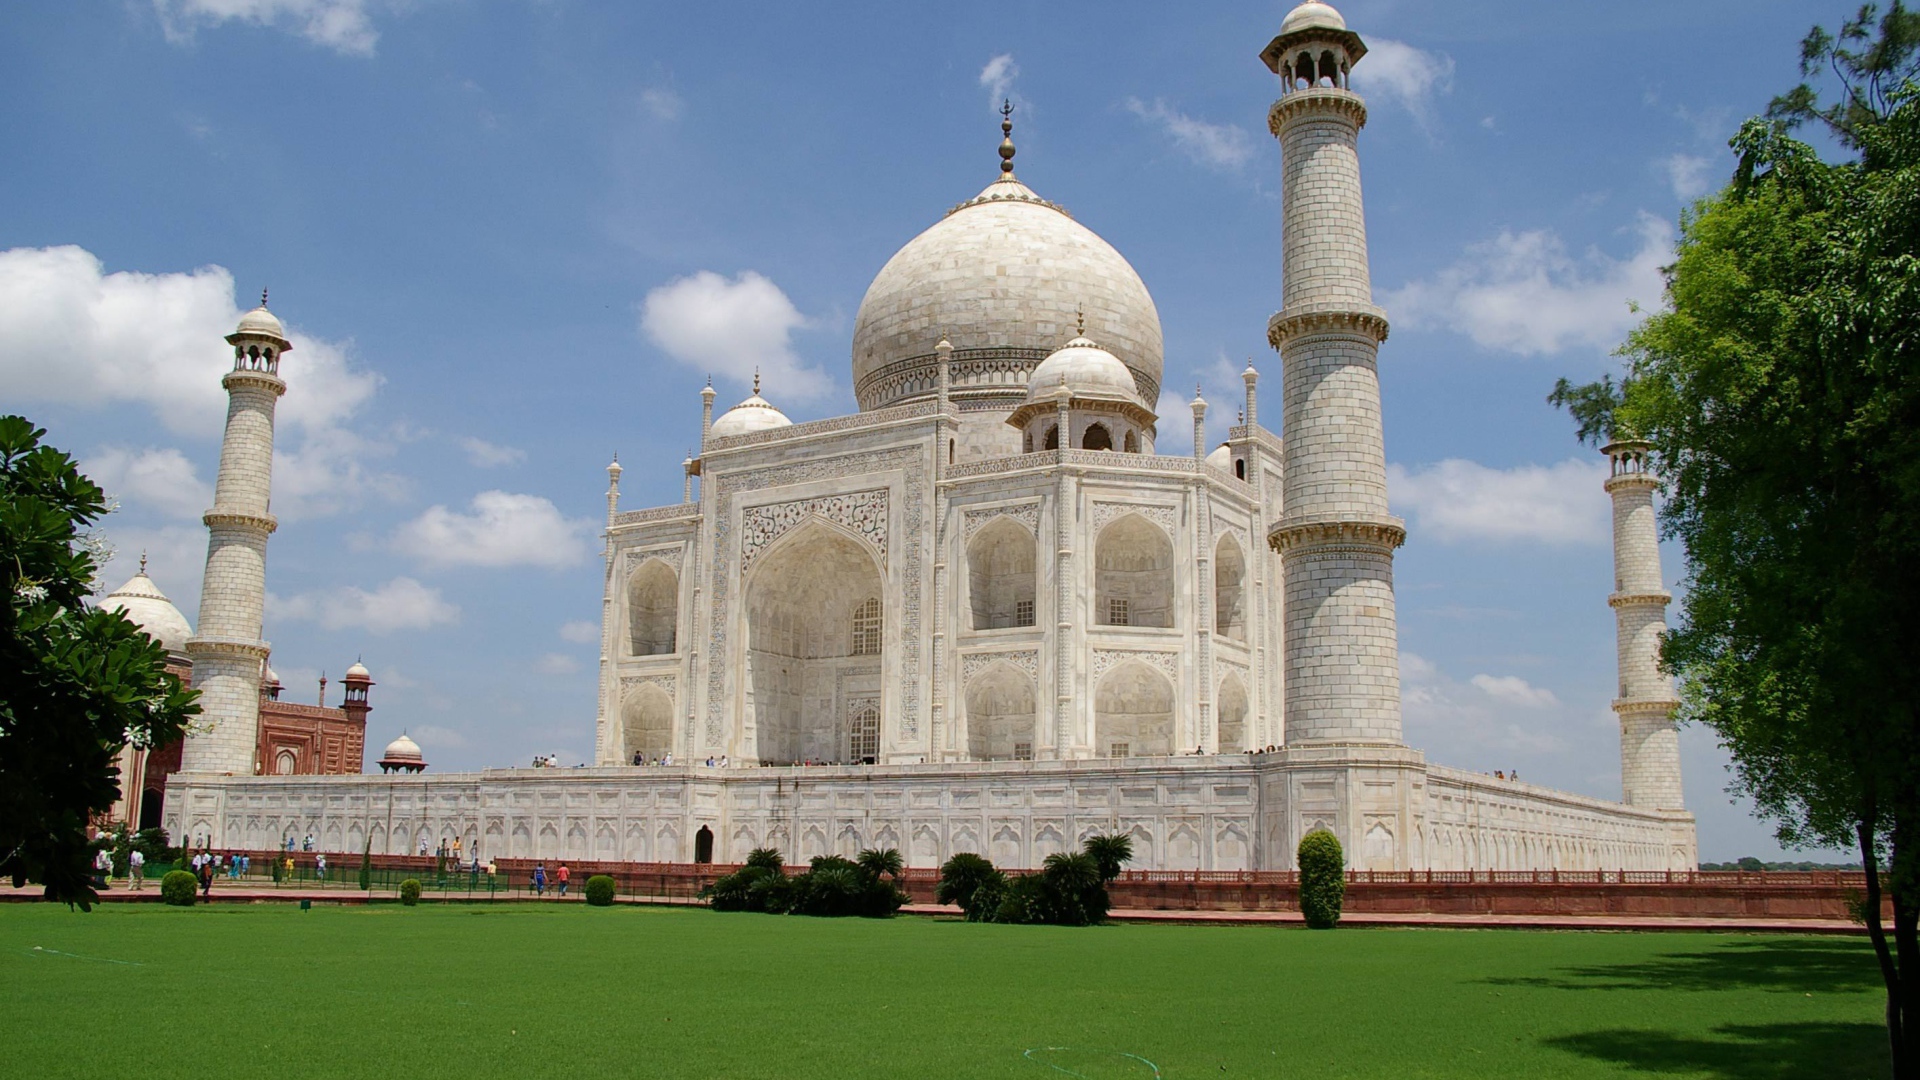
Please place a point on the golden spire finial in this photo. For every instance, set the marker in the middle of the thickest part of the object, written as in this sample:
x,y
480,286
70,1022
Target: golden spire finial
x,y
143,562
1006,139
1080,321
756,380
263,296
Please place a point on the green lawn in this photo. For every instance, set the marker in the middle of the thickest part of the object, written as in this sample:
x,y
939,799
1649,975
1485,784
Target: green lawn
x,y
527,990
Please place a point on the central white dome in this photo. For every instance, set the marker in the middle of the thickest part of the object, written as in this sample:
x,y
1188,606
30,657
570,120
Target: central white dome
x,y
1002,276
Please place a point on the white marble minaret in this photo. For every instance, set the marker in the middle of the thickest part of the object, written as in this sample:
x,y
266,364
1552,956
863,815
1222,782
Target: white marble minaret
x,y
228,652
1335,537
1649,742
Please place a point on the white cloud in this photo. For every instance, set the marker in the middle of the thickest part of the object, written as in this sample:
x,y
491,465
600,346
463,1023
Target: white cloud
x,y
1523,293
1469,724
161,478
1457,500
436,737
1217,146
341,25
400,604
580,632
732,328
486,455
72,334
503,529
664,104
1514,690
1688,174
1410,77
997,77
176,560
554,663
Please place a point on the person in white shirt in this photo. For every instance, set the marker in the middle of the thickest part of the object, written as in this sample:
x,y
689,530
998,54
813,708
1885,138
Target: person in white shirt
x,y
136,867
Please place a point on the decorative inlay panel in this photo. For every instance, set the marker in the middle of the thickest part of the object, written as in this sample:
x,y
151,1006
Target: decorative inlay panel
x,y
670,555
1105,660
864,512
1164,516
1027,514
1027,660
634,682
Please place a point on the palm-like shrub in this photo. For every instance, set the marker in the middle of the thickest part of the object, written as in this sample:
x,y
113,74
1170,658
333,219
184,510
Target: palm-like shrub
x,y
178,887
973,883
832,886
1111,853
877,863
1323,884
410,891
600,890
767,858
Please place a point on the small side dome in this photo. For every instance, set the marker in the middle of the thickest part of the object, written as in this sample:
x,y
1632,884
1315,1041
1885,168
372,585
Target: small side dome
x,y
261,321
359,671
402,749
1221,458
1086,370
1312,15
754,414
141,601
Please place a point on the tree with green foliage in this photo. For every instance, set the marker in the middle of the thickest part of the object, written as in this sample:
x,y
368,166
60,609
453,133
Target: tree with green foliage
x,y
366,866
971,882
1110,853
1323,879
76,683
1781,395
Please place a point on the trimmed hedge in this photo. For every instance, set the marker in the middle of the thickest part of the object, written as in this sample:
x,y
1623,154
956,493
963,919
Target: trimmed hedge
x,y
1323,881
410,891
178,888
600,890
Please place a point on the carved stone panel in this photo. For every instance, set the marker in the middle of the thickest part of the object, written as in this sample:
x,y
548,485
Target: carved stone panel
x,y
1164,516
1027,660
1027,514
863,512
1105,660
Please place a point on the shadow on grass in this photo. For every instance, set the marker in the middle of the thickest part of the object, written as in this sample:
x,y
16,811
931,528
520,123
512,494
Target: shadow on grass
x,y
1742,1051
1818,965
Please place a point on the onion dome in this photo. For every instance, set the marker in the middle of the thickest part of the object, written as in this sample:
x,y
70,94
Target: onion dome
x,y
141,601
1000,276
1085,370
754,414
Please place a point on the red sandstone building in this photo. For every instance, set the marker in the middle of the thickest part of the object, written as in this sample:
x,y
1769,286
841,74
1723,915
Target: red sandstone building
x,y
293,740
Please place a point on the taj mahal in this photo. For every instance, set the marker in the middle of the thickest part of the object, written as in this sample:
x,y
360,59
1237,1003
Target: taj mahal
x,y
1002,606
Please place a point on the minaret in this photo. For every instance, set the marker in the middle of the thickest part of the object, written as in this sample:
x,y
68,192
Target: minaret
x,y
1649,742
228,653
1199,425
1335,537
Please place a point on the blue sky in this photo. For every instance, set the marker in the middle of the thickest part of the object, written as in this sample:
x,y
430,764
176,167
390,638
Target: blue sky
x,y
512,237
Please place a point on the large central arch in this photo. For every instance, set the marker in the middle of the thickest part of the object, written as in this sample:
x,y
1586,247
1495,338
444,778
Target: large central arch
x,y
814,612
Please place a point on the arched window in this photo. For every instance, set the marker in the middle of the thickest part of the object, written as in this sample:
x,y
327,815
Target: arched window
x,y
951,445
1133,574
1000,575
1026,442
1132,443
284,763
1239,468
863,736
1133,713
703,845
1053,437
866,628
1229,590
1096,437
653,602
1329,70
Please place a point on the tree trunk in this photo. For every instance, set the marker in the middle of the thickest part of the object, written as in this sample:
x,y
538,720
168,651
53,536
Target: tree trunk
x,y
1906,945
1889,971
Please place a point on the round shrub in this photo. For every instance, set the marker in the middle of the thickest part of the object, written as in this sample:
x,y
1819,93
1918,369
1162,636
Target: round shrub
x,y
178,888
1323,883
410,891
600,890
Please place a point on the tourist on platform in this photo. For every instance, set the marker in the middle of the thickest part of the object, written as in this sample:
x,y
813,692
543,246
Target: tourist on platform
x,y
320,867
103,864
563,877
206,878
491,871
136,868
540,880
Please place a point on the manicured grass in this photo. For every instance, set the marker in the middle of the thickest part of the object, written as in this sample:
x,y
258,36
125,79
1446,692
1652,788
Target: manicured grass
x,y
530,990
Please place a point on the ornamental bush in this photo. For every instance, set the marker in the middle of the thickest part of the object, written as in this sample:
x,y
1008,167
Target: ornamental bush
x,y
178,888
1323,883
832,886
410,891
600,890
973,883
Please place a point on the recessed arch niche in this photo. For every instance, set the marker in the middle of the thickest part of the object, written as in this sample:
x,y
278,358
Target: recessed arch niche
x,y
1000,714
1230,589
815,610
653,605
1000,575
1232,711
1133,574
646,722
1133,713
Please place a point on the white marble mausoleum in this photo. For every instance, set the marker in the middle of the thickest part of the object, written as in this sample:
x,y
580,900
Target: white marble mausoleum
x,y
1005,605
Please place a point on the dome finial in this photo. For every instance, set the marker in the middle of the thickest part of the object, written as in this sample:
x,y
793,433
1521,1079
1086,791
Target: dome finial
x,y
263,296
756,380
143,562
1006,138
1080,321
